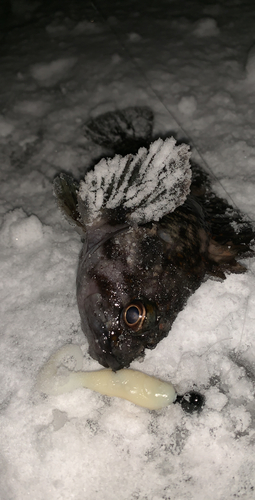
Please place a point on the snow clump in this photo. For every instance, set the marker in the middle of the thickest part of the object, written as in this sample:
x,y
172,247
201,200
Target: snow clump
x,y
206,27
48,74
187,105
19,230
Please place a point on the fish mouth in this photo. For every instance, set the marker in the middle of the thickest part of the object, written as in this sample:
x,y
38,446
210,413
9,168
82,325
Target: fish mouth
x,y
104,345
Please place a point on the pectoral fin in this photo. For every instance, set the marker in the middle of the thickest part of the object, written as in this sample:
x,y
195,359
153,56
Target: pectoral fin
x,y
65,190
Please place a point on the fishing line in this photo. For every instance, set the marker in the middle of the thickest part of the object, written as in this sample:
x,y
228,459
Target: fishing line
x,y
143,74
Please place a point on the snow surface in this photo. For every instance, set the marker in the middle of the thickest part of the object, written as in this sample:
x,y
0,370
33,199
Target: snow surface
x,y
99,57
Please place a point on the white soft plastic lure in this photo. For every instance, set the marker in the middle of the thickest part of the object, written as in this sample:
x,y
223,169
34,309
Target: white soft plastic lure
x,y
137,387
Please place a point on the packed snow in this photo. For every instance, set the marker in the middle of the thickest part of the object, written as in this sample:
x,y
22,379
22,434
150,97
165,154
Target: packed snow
x,y
193,64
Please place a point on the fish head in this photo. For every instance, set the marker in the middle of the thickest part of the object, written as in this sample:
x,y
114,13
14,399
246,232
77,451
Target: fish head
x,y
128,292
115,331
128,295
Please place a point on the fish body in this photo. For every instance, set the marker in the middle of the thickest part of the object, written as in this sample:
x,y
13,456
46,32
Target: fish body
x,y
146,248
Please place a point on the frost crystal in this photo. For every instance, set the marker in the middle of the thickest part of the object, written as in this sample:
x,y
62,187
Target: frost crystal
x,y
146,186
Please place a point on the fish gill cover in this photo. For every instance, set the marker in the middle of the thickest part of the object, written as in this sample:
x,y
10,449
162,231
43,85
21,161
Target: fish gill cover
x,y
146,185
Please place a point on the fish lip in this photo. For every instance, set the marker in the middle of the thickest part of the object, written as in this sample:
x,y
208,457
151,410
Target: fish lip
x,y
110,361
112,347
98,335
103,351
106,357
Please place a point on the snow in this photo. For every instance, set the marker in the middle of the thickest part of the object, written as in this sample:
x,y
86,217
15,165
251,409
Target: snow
x,y
6,127
20,231
187,105
206,27
83,445
250,66
48,74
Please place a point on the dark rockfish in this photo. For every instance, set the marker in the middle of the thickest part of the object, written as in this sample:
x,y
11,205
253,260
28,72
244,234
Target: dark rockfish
x,y
152,230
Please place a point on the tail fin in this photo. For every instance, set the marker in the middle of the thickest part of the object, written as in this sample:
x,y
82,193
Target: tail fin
x,y
232,234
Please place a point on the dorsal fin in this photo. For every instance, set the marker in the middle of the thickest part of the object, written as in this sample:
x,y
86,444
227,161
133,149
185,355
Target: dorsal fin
x,y
142,187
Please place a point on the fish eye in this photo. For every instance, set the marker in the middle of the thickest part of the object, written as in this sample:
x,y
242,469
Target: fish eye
x,y
134,315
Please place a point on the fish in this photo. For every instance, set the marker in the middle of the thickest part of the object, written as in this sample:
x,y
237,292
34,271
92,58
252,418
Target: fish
x,y
152,229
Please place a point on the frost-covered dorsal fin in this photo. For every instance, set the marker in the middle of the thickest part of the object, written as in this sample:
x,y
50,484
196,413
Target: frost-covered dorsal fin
x,y
142,187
